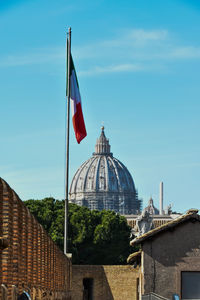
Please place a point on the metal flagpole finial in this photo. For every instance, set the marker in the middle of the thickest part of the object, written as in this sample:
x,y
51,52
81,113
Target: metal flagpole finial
x,y
69,31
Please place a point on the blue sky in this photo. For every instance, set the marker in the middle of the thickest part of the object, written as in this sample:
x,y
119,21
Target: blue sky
x,y
138,65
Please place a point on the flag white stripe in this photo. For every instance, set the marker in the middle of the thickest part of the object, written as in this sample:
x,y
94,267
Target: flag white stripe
x,y
75,96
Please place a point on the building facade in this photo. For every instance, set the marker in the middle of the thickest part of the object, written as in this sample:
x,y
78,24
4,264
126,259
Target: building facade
x,y
103,182
169,258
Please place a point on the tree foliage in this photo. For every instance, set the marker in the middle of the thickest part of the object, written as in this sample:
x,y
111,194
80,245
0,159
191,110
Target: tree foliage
x,y
95,237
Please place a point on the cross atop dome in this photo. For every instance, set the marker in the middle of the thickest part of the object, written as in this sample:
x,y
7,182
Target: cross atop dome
x,y
102,145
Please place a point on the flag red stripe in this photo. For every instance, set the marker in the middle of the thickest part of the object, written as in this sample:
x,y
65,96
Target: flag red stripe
x,y
78,123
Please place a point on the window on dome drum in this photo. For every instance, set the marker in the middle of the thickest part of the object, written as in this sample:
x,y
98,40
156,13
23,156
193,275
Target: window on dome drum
x,y
88,288
190,285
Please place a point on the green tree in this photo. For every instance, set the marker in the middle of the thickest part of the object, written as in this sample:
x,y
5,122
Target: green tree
x,y
50,214
95,237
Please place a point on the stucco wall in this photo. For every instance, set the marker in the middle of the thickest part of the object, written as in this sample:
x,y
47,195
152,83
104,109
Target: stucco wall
x,y
169,253
110,282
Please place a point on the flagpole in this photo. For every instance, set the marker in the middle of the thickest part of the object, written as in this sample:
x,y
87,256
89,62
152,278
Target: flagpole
x,y
67,141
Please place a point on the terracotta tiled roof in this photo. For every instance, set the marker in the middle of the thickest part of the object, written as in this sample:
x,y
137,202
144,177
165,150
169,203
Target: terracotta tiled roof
x,y
191,214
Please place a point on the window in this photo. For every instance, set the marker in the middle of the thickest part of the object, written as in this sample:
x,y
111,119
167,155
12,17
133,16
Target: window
x,y
190,285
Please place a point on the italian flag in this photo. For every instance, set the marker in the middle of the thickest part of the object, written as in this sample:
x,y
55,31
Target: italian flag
x,y
76,108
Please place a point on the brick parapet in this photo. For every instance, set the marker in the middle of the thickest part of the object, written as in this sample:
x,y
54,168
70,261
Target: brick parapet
x,y
31,260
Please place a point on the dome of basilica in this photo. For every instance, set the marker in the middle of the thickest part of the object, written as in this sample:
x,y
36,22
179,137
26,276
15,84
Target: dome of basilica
x,y
103,182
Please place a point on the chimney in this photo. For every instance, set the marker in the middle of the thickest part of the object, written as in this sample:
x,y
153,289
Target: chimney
x,y
161,198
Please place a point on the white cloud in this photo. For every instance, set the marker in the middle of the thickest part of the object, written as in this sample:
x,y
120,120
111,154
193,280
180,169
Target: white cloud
x,y
142,36
111,69
132,51
135,50
38,56
185,52
129,40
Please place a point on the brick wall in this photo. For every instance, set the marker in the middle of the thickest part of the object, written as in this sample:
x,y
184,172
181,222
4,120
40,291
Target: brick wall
x,y
109,282
31,261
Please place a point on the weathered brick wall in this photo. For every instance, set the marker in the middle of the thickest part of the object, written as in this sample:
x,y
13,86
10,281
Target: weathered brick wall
x,y
110,282
31,261
168,254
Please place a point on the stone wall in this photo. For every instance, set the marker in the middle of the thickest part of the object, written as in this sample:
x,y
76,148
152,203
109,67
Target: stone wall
x,y
109,282
169,253
31,261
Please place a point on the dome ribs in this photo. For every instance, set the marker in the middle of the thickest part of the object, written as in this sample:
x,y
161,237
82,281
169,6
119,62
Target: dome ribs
x,y
85,182
96,185
106,174
73,186
116,173
127,175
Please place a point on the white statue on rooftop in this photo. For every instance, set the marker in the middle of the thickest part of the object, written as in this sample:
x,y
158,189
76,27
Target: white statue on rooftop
x,y
144,223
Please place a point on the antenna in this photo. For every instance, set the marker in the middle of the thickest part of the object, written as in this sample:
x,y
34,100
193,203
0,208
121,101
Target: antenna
x,y
161,198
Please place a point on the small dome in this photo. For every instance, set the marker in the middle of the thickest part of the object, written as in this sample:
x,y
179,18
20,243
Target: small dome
x,y
103,182
151,209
